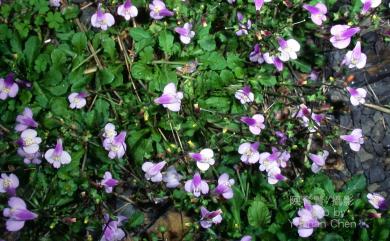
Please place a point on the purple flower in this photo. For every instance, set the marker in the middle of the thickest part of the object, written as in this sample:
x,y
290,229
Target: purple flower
x,y
282,137
55,3
127,10
116,146
25,120
318,160
256,123
369,4
8,87
246,238
303,111
342,35
270,59
271,163
210,218
256,56
77,100
108,182
109,131
172,178
34,158
308,218
170,98
377,201
58,156
313,75
355,139
245,95
249,153
231,1
288,49
112,230
317,12
224,187
204,159
29,141
9,183
355,58
357,96
17,214
153,171
158,10
243,27
196,186
258,4
186,34
102,20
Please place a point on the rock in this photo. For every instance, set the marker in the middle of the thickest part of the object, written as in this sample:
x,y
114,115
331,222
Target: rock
x,y
373,187
380,151
346,121
377,174
364,156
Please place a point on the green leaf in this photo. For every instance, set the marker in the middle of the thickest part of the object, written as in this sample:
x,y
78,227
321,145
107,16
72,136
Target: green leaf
x,y
301,66
71,11
208,43
267,80
58,57
165,40
137,219
214,60
79,41
218,103
109,47
258,214
139,34
333,237
355,185
141,71
31,49
106,76
59,106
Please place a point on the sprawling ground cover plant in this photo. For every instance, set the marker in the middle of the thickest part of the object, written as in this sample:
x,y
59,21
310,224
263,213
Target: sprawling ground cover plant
x,y
206,106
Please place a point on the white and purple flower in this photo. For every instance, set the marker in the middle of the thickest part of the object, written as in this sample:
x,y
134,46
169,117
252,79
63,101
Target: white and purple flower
x,y
116,146
243,27
77,100
29,141
210,218
224,187
288,49
317,12
158,10
172,178
108,182
111,229
355,58
109,131
377,201
17,214
9,183
55,3
342,35
127,10
58,156
249,152
255,123
34,158
318,160
245,95
308,218
25,121
153,171
256,56
186,33
101,19
369,4
171,98
275,60
196,186
204,159
355,139
8,87
357,96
